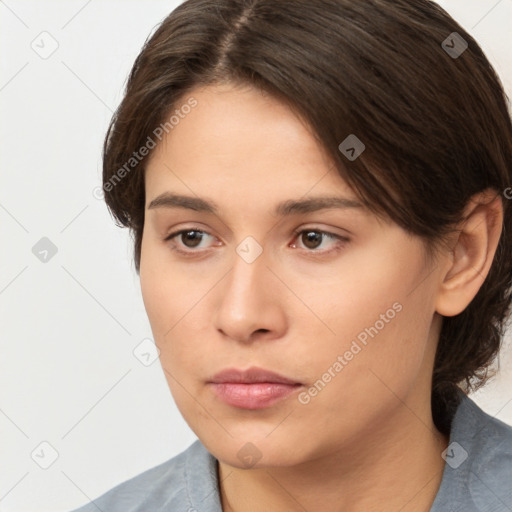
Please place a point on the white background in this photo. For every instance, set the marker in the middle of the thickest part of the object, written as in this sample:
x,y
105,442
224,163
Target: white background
x,y
68,375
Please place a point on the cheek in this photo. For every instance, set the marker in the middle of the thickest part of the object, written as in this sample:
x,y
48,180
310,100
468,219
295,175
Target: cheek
x,y
355,385
352,295
174,301
165,289
368,316
161,294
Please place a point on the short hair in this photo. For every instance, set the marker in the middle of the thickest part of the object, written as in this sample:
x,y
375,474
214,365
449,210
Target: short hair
x,y
425,102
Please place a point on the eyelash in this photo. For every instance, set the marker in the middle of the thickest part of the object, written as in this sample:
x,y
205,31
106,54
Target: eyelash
x,y
341,241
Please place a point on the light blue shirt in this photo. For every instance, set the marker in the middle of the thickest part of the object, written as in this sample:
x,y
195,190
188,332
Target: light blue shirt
x,y
477,475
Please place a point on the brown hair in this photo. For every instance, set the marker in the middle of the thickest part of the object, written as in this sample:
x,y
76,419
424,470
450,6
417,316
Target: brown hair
x,y
435,125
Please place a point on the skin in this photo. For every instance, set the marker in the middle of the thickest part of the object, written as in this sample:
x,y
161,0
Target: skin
x,y
366,441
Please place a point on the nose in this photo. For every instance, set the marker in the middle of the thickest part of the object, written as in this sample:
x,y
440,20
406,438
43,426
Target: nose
x,y
251,302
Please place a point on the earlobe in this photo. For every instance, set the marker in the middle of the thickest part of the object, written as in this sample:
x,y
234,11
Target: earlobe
x,y
472,254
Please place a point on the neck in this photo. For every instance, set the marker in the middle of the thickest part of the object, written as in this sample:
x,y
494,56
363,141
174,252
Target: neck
x,y
399,467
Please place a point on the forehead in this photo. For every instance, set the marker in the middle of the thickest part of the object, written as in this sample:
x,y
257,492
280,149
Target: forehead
x,y
242,140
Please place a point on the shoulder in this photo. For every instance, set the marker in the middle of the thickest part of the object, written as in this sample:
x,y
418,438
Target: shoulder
x,y
180,483
490,461
478,469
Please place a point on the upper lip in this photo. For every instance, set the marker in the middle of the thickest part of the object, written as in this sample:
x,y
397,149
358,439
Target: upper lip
x,y
250,376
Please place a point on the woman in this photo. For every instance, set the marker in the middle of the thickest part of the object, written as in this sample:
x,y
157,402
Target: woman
x,y
318,197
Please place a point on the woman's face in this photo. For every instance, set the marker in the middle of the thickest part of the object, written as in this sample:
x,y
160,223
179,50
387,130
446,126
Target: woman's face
x,y
333,299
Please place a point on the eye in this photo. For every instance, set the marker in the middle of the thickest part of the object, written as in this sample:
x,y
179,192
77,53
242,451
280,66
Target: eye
x,y
312,240
190,238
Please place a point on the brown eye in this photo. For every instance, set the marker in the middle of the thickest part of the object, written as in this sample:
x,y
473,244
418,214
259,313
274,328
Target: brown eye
x,y
191,242
318,242
312,239
191,238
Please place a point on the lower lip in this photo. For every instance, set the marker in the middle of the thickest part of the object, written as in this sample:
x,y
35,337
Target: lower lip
x,y
257,395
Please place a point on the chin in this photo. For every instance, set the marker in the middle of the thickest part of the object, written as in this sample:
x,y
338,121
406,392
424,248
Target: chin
x,y
250,451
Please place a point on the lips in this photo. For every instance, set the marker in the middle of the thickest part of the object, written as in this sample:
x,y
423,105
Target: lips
x,y
251,376
254,388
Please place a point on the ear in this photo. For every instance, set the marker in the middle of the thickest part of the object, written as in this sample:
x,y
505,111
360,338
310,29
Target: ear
x,y
472,252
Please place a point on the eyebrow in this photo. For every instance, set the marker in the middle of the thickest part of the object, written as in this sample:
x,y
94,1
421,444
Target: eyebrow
x,y
285,208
